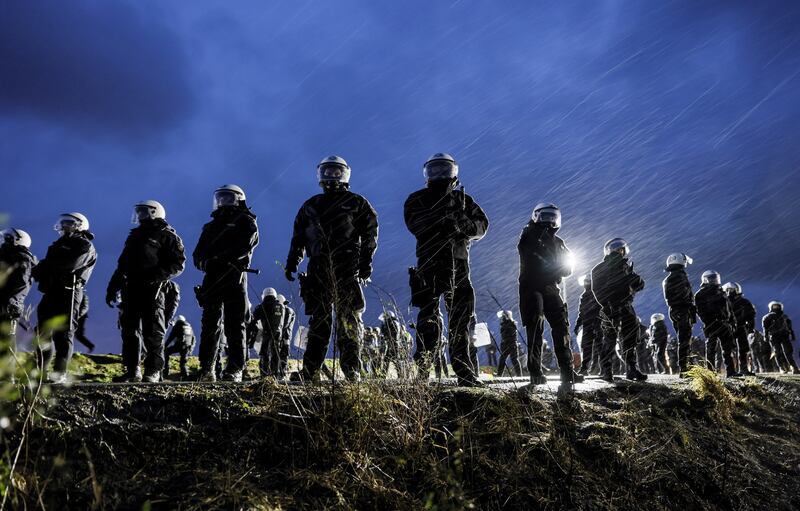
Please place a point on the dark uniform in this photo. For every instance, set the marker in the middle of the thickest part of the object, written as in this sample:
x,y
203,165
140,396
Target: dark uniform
x,y
543,261
716,313
269,317
508,346
153,254
659,336
223,252
680,298
445,222
780,334
491,353
614,284
761,352
181,341
589,320
745,313
338,231
62,275
16,263
172,299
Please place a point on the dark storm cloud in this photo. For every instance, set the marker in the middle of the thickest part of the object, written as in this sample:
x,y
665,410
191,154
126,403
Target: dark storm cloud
x,y
104,66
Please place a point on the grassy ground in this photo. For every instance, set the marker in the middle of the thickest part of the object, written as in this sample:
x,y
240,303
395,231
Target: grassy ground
x,y
701,444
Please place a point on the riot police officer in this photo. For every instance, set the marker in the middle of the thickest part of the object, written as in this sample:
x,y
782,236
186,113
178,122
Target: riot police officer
x,y
780,334
153,254
269,318
719,323
659,336
62,275
338,231
445,220
745,313
508,343
223,254
544,261
680,299
16,263
589,321
614,284
181,340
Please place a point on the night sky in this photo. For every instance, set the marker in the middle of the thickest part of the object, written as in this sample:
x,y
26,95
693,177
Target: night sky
x,y
671,124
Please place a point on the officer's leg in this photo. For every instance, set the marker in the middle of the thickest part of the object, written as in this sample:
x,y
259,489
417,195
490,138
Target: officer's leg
x,y
319,335
515,361
284,360
683,330
610,332
429,331
45,312
350,327
587,345
63,338
534,330
153,331
788,352
184,353
210,334
629,334
501,366
555,311
236,310
711,347
460,308
726,337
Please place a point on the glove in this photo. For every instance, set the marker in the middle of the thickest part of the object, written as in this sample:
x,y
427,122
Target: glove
x,y
111,297
289,274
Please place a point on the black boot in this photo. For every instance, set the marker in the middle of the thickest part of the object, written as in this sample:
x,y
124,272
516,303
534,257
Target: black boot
x,y
569,377
634,374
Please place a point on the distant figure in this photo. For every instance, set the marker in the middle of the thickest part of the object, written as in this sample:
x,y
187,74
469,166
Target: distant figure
x,y
181,341
780,334
508,344
614,283
223,254
745,313
716,313
589,321
761,352
338,231
268,317
659,336
491,353
672,355
153,254
682,312
62,275
16,263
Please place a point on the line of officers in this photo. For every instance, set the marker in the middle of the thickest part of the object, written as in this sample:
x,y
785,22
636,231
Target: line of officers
x,y
337,231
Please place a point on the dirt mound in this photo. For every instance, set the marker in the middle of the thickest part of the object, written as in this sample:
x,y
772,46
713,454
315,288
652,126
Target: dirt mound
x,y
708,444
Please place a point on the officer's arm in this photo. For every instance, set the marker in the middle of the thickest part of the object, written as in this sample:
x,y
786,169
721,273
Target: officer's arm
x,y
474,223
791,329
297,248
418,220
368,231
172,259
765,323
199,254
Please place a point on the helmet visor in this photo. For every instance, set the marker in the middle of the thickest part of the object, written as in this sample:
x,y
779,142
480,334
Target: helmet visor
x,y
142,213
225,198
66,225
549,216
440,169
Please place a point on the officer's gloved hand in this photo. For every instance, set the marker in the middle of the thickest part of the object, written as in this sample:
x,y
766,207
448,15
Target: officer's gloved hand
x,y
111,298
289,274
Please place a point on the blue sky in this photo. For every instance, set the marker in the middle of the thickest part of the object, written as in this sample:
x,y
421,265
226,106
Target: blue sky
x,y
672,124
